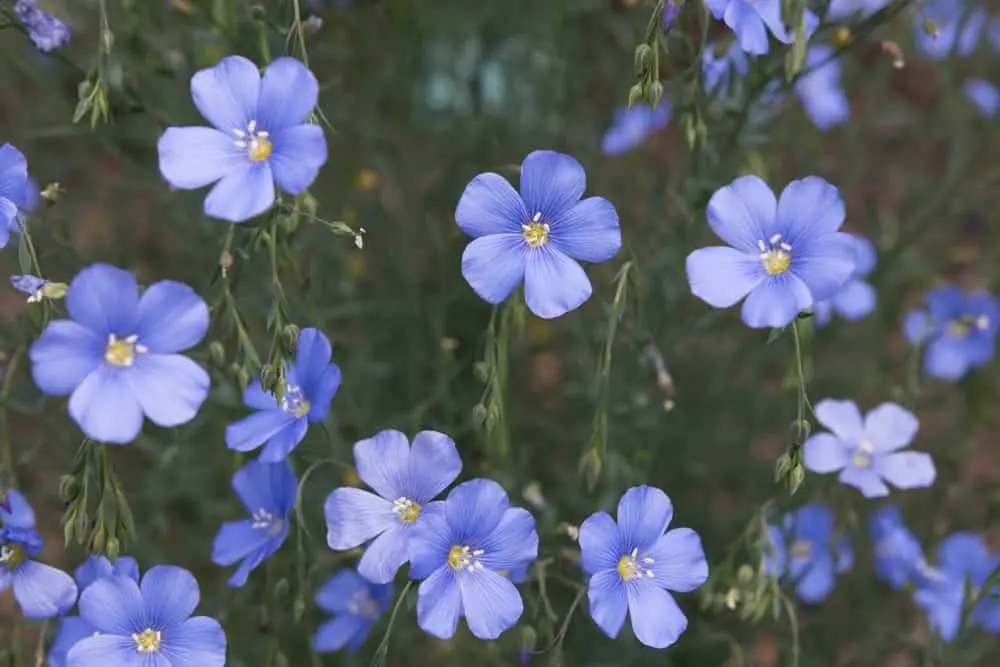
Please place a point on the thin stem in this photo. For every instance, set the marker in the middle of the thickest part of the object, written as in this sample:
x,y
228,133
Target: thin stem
x,y
6,449
803,399
561,635
383,647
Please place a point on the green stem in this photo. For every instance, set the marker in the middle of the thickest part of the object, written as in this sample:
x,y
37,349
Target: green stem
x,y
6,448
383,648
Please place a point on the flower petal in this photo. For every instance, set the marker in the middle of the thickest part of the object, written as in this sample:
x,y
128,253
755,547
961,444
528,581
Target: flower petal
x,y
197,642
843,418
312,357
43,591
171,318
865,480
890,427
588,231
947,359
434,463
282,443
494,265
354,516
608,602
744,20
743,212
103,650
855,300
237,539
255,397
962,554
809,207
721,276
253,431
226,95
267,486
824,453
105,299
335,595
600,547
644,512
72,629
20,514
439,604
490,205
64,355
551,183
113,605
906,470
984,95
335,634
554,284
475,509
299,152
430,541
679,561
818,581
322,392
171,595
382,462
105,406
13,173
242,194
385,555
491,602
657,621
824,263
513,544
775,302
170,388
193,157
288,94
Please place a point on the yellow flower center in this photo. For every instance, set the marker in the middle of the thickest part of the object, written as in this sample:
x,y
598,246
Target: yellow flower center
x,y
257,143
801,549
536,232
147,641
464,558
630,566
364,605
260,149
407,510
862,456
11,556
121,351
962,326
776,255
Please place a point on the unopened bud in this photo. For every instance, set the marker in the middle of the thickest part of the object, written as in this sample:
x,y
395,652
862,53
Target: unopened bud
x,y
643,59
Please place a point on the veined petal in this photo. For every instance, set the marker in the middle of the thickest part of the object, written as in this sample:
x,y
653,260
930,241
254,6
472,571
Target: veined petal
x,y
235,540
322,393
600,546
721,276
284,442
253,431
554,283
644,512
335,595
382,462
906,470
490,602
890,427
170,594
64,355
775,302
551,183
197,642
226,94
113,606
193,157
354,516
843,418
299,152
679,561
865,480
171,318
490,205
825,453
744,20
429,544
608,602
439,604
312,356
103,650
474,509
588,231
242,194
385,555
494,265
809,207
743,212
514,542
105,299
288,94
268,486
105,406
255,397
434,463
657,621
170,388
43,591
824,263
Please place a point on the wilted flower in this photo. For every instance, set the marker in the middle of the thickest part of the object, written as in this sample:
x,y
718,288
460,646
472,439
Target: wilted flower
x,y
356,604
536,236
635,562
958,329
856,299
460,554
807,553
748,18
46,31
631,127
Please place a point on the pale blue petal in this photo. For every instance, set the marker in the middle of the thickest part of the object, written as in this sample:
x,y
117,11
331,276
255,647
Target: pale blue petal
x,y
718,7
43,591
679,562
335,634
226,94
288,94
354,516
644,512
20,515
770,12
906,470
984,95
825,453
256,558
608,602
71,630
104,299
743,212
843,418
748,26
963,553
490,205
193,157
554,283
824,264
64,355
818,582
105,650
170,387
474,509
299,152
114,606
312,358
865,480
197,642
657,621
551,183
855,300
92,569
105,406
382,462
588,231
491,602
439,604
171,595
172,318
600,547
775,302
253,431
808,208
255,397
269,486
236,540
434,463
242,194
335,595
917,326
947,359
890,427
385,555
721,276
13,174
322,393
513,544
285,441
494,265
429,544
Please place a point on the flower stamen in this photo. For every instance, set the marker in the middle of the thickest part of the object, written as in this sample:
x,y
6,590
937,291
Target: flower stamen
x,y
536,232
262,519
256,142
147,641
775,255
121,351
862,457
464,558
407,510
294,402
630,566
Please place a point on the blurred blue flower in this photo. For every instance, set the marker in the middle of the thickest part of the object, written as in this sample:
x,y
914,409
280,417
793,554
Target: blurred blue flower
x,y
46,31
958,329
720,70
842,9
30,285
784,255
13,189
856,299
356,604
960,28
537,235
405,480
268,492
984,95
631,128
310,386
118,355
635,562
152,618
259,135
963,561
671,11
821,91
41,591
899,558
807,553
73,628
460,552
866,451
748,18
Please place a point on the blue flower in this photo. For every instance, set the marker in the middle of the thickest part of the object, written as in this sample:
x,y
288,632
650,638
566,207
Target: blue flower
x,y
963,561
631,127
959,30
268,492
356,604
259,135
117,356
723,70
899,558
785,254
807,554
748,18
842,9
73,628
958,329
30,285
821,91
856,299
669,15
460,552
45,30
536,235
148,623
635,562
866,451
310,386
406,480
41,590
984,95
13,190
